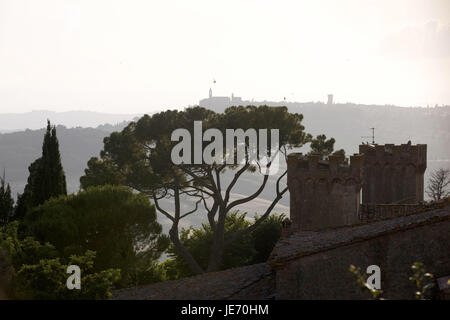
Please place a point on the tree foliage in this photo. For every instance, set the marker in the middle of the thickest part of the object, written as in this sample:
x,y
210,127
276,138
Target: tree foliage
x,y
47,279
141,154
320,145
100,173
254,247
423,281
361,280
6,202
46,175
39,273
111,220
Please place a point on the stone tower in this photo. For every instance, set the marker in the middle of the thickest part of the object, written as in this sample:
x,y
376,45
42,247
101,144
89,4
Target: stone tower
x,y
323,193
330,99
393,173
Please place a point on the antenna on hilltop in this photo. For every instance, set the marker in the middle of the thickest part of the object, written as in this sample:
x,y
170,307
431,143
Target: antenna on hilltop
x,y
373,135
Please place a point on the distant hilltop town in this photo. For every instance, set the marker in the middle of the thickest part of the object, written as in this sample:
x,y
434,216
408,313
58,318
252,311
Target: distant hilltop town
x,y
220,103
350,123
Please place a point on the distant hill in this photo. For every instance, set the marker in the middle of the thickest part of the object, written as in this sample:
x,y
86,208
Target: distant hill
x,y
349,122
77,145
34,120
345,122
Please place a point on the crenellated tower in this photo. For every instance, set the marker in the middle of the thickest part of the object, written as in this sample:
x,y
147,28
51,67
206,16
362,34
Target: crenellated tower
x,y
393,173
324,193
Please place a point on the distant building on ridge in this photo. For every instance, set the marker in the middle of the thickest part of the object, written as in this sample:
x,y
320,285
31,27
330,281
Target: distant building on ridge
x,y
219,104
330,99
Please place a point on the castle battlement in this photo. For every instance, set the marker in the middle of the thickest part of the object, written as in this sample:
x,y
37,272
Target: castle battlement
x,y
404,154
393,173
336,167
324,193
327,193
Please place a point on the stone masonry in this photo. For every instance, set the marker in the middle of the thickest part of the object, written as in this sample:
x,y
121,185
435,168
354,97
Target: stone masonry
x,y
393,173
324,193
315,264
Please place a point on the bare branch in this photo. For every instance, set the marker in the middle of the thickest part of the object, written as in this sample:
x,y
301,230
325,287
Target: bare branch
x,y
278,182
438,184
192,211
247,199
199,179
233,182
258,222
164,212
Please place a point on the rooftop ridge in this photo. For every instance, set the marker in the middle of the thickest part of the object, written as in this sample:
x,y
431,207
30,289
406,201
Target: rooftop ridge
x,y
303,243
224,284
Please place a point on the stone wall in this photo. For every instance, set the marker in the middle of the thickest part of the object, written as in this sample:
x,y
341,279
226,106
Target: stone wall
x,y
323,193
314,265
393,173
369,212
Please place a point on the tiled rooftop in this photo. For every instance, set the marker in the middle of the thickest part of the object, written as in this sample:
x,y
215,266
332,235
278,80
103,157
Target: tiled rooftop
x,y
309,242
258,281
249,282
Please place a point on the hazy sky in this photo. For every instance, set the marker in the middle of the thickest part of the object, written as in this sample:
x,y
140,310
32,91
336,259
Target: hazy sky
x,y
141,56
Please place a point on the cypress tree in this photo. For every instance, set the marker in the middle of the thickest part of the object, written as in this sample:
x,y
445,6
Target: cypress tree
x,y
51,181
6,202
46,178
